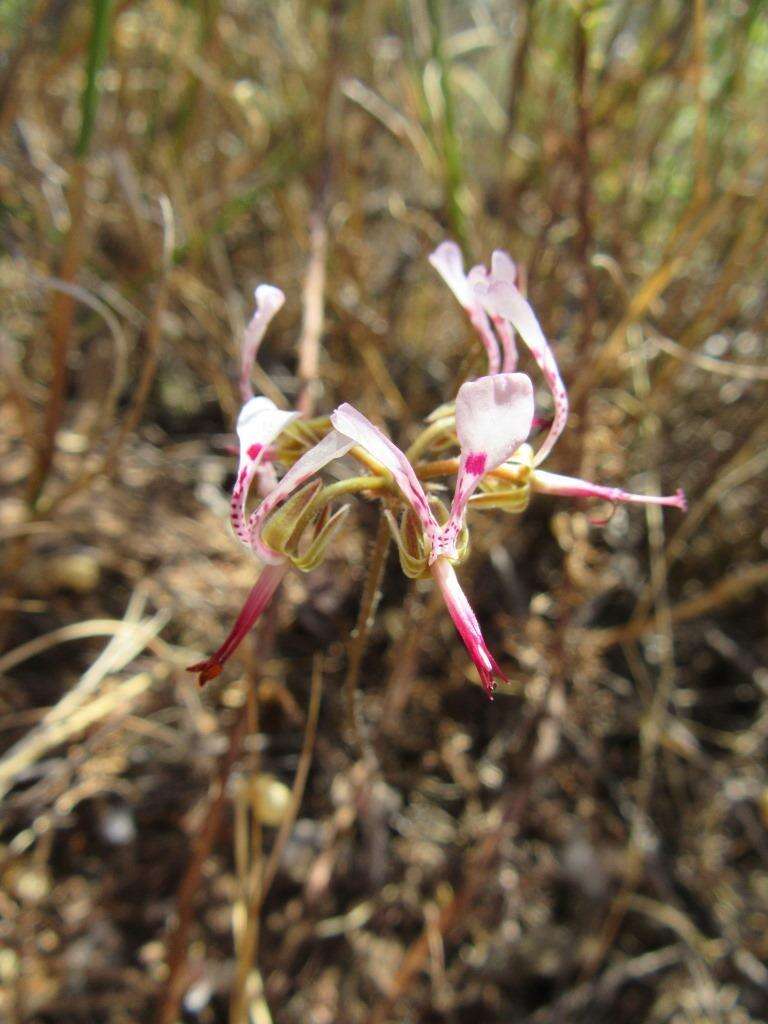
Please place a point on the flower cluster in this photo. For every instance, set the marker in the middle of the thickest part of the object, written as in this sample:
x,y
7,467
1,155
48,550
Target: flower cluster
x,y
489,422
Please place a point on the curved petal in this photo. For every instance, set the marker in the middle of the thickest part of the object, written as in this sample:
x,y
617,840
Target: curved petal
x,y
500,297
449,263
466,623
258,599
572,487
333,446
269,301
504,269
348,421
259,423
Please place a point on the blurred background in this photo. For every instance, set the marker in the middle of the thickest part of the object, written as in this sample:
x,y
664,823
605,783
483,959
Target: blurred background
x,y
341,828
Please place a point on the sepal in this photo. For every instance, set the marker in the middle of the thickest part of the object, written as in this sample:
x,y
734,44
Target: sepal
x,y
287,524
327,526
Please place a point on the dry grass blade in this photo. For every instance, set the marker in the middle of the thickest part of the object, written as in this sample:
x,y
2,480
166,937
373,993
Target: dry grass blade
x,y
174,852
69,716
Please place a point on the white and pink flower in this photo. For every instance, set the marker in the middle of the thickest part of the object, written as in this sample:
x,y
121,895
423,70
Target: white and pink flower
x,y
493,418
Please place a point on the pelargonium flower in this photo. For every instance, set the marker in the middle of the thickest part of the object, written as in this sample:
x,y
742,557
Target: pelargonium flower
x,y
493,418
490,420
275,563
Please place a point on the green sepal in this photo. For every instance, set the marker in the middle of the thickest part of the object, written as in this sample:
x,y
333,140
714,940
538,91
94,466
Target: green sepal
x,y
514,499
290,520
316,551
410,547
443,412
299,436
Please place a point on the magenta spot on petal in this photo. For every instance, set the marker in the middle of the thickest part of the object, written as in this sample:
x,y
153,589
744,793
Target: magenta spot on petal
x,y
476,463
254,451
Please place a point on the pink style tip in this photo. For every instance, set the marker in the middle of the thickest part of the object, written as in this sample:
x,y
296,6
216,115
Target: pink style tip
x,y
261,594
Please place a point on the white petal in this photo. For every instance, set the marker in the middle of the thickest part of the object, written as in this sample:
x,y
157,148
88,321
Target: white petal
x,y
493,417
503,267
259,423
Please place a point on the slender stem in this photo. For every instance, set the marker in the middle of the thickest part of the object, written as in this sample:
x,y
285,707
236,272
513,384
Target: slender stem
x,y
313,300
61,314
146,376
97,52
454,172
353,485
174,985
359,636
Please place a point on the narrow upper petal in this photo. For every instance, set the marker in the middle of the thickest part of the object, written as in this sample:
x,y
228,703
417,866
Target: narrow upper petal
x,y
500,297
350,422
333,446
503,267
449,263
269,301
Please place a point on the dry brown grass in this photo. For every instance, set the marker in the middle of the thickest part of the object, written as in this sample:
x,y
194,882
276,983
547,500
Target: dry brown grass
x,y
340,829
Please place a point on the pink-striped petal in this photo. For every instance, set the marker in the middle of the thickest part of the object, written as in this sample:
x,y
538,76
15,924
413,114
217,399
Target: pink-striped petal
x,y
572,487
269,301
466,624
353,425
333,446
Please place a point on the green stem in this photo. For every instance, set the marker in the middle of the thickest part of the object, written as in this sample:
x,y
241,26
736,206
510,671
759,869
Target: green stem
x,y
454,171
426,437
353,485
97,51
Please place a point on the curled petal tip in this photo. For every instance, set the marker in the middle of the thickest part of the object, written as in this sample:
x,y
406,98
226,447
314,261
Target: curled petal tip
x,y
206,670
490,677
269,297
